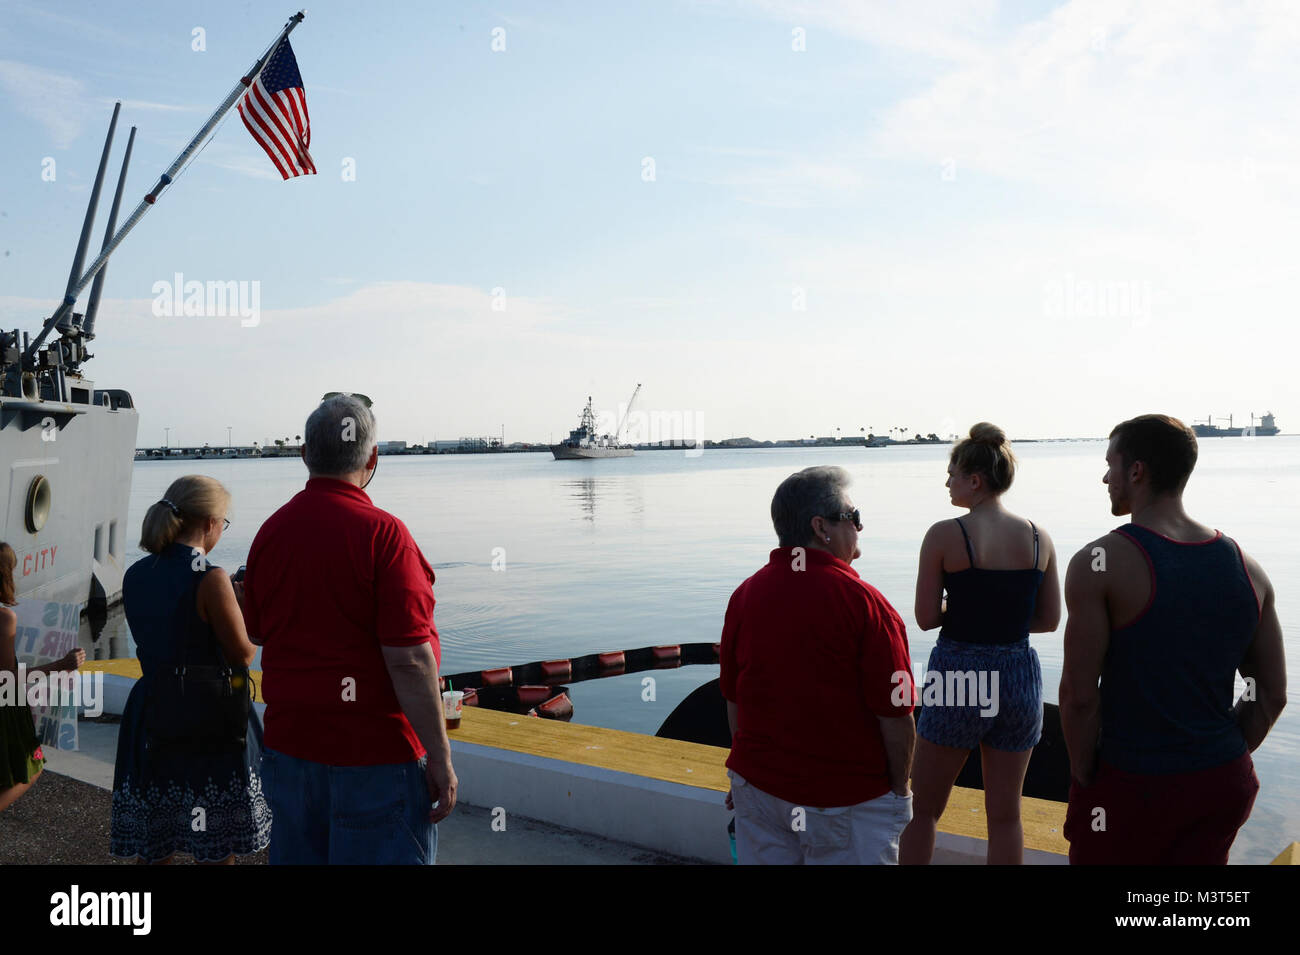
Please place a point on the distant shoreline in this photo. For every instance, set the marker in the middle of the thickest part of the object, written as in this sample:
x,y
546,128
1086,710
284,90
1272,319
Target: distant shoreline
x,y
730,444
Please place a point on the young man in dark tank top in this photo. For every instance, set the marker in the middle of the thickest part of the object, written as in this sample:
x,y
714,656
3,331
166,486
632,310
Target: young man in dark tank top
x,y
1163,613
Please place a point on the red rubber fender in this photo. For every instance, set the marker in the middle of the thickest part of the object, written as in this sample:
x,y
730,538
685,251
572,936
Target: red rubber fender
x,y
610,660
673,652
557,669
471,697
501,676
530,695
558,707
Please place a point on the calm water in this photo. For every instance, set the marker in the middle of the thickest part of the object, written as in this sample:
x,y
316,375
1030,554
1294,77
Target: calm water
x,y
615,554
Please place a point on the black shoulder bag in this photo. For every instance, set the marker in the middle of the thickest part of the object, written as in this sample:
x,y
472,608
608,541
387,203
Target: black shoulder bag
x,y
198,707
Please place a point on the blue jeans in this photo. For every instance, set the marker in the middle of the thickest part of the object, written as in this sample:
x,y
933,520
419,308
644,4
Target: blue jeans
x,y
348,815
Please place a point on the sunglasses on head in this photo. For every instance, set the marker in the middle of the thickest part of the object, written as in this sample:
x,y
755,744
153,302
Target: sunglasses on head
x,y
854,515
346,394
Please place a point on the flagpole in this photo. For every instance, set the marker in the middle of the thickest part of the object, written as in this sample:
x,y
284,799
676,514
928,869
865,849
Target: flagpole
x,y
166,179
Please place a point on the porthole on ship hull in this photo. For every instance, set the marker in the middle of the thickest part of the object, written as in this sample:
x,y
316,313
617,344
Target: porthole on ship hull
x,y
38,503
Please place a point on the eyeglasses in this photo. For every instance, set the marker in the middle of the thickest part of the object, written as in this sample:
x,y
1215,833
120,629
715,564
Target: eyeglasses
x,y
346,394
225,524
854,515
372,474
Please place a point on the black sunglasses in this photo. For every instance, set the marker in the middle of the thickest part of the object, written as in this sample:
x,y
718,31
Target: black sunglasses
x,y
346,394
854,515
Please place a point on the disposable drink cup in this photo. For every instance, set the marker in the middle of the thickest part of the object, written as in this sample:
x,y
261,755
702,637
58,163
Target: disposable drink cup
x,y
452,700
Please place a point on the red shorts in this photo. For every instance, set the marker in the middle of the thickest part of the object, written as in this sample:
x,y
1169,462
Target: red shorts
x,y
1176,819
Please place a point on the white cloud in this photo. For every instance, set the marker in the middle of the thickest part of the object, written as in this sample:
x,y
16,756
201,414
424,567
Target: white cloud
x,y
63,25
1177,106
945,31
52,99
796,183
130,104
777,178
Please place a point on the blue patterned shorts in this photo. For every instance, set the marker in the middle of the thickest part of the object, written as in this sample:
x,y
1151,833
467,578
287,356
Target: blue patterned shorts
x,y
977,693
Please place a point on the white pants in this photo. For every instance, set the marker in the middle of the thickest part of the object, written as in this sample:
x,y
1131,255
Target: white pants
x,y
771,831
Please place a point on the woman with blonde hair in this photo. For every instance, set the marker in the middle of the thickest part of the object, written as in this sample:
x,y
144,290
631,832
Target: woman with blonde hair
x,y
999,571
21,756
198,792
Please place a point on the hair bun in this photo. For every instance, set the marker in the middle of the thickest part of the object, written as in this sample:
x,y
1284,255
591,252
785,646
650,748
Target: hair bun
x,y
986,433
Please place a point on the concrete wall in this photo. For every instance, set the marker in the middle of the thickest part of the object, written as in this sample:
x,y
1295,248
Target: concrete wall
x,y
665,817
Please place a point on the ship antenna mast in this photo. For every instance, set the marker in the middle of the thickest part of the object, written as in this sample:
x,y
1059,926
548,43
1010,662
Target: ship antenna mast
x,y
96,290
166,179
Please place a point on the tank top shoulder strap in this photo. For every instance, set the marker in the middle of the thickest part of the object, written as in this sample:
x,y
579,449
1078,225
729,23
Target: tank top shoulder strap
x,y
966,537
1137,535
1035,530
196,637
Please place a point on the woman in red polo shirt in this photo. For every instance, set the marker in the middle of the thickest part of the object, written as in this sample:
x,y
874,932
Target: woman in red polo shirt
x,y
999,571
818,683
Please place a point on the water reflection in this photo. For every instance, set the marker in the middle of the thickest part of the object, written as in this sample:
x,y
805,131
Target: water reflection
x,y
105,635
586,490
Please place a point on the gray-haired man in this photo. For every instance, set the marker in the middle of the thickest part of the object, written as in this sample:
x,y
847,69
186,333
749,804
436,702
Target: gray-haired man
x,y
341,600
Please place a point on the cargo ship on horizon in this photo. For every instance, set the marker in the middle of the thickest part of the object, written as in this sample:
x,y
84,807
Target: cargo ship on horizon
x,y
1267,428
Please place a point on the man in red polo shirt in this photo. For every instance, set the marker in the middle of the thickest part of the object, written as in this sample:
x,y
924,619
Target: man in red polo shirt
x,y
818,683
341,600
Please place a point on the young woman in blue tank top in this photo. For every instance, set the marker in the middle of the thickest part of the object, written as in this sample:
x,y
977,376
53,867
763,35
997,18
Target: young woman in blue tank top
x,y
983,685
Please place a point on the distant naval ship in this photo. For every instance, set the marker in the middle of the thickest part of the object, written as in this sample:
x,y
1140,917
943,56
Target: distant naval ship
x,y
1267,428
583,442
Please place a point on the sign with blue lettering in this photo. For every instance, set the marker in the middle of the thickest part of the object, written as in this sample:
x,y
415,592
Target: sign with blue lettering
x,y
47,631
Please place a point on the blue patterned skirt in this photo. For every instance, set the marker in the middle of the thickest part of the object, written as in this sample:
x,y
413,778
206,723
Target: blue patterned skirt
x,y
208,805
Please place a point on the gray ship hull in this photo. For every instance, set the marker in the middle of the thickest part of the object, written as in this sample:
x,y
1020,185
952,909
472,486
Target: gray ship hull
x,y
1202,431
563,452
85,453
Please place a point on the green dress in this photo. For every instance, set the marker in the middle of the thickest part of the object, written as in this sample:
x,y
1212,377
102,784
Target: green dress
x,y
21,759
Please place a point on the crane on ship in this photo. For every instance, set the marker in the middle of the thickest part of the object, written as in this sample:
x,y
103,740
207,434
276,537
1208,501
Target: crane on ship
x,y
618,432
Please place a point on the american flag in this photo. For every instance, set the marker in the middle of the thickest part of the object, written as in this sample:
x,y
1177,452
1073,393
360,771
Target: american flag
x,y
274,108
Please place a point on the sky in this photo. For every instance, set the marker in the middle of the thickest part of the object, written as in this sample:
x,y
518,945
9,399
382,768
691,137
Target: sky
x,y
781,218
